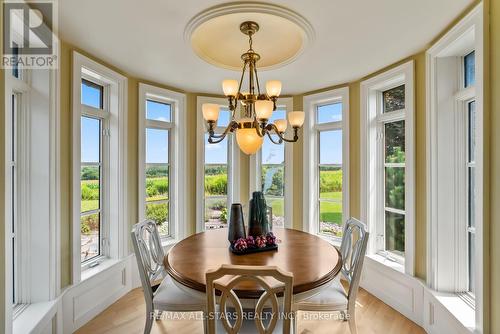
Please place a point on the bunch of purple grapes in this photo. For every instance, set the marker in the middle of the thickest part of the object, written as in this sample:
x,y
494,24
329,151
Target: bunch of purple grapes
x,y
250,242
261,241
270,239
240,244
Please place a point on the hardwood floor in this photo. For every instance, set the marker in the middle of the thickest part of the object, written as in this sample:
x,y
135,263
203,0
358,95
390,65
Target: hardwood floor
x,y
127,315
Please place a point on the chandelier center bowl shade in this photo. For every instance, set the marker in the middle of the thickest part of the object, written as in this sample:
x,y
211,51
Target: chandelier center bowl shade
x,y
283,34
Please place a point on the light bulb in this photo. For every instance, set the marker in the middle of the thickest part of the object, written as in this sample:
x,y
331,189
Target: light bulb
x,y
263,109
281,125
210,112
273,88
230,87
296,118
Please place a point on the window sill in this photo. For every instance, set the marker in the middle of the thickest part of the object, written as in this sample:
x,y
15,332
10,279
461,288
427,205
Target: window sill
x,y
458,308
35,315
386,262
102,266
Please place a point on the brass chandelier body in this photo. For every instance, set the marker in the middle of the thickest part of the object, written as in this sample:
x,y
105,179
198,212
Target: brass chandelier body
x,y
256,107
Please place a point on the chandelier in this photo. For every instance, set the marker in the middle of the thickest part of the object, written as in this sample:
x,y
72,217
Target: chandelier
x,y
256,107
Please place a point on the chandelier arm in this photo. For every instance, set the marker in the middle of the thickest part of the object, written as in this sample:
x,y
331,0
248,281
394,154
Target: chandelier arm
x,y
212,135
280,140
271,127
261,129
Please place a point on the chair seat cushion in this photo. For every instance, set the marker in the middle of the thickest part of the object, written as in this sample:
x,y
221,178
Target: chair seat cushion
x,y
331,298
169,297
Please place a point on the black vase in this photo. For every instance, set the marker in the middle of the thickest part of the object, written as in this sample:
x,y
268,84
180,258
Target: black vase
x,y
236,223
258,222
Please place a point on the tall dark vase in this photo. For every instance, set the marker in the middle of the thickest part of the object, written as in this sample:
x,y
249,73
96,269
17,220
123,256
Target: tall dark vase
x,y
258,223
236,223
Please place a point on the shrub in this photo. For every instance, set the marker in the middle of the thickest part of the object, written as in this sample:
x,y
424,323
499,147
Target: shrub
x,y
216,184
157,212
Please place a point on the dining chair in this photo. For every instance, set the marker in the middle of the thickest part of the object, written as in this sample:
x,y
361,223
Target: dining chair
x,y
334,298
274,294
166,296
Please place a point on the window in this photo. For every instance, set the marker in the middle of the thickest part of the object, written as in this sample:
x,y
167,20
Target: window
x,y
99,158
13,194
388,173
326,162
216,199
273,173
471,196
161,160
157,171
216,170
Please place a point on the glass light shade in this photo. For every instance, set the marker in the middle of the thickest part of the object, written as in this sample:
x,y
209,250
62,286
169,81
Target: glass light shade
x,y
273,88
281,125
247,138
210,111
230,87
296,118
263,109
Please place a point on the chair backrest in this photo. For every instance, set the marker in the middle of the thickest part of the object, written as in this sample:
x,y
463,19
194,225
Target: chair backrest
x,y
256,274
149,255
353,250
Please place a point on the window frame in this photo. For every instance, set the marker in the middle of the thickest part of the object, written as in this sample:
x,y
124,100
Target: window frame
x,y
115,244
233,190
176,159
311,130
373,162
256,167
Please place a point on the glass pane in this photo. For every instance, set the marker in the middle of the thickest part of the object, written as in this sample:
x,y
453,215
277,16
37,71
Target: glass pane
x,y
472,197
329,113
330,218
395,187
224,117
394,99
472,266
395,232
330,183
92,94
89,236
15,53
89,183
215,153
330,147
156,182
279,113
272,153
215,212
90,139
469,69
156,146
158,111
158,212
215,180
471,106
273,180
277,205
395,142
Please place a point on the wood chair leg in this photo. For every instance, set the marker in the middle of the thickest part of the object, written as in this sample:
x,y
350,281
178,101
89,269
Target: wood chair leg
x,y
352,321
149,320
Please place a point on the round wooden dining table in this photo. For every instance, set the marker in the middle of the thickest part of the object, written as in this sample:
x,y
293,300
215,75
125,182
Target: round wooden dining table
x,y
313,261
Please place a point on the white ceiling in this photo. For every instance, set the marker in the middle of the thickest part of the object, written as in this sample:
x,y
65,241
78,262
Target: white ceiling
x,y
353,38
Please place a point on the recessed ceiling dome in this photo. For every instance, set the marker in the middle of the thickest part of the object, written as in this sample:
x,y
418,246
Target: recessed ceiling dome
x,y
215,36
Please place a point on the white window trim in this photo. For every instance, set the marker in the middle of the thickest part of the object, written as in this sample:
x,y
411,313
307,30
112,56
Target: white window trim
x,y
255,168
472,22
233,162
52,267
370,89
177,158
118,220
311,155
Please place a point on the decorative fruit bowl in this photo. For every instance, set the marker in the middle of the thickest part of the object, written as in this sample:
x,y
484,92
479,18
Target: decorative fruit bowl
x,y
250,244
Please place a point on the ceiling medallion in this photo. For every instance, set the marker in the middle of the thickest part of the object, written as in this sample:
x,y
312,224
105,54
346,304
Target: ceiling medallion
x,y
256,106
285,34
